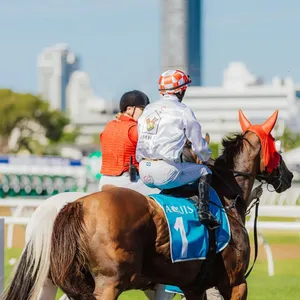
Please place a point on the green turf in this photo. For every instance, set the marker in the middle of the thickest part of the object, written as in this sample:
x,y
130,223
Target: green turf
x,y
284,285
275,219
282,238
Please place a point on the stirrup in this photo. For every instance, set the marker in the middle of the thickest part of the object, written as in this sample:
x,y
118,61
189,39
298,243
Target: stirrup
x,y
209,220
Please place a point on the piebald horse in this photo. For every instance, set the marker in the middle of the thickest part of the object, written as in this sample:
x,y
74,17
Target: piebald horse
x,y
115,240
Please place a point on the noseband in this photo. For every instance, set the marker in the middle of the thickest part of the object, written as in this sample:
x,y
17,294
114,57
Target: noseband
x,y
264,177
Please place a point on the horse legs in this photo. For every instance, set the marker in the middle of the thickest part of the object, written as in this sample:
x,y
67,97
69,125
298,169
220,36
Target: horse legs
x,y
213,294
159,293
236,292
110,286
150,294
106,289
194,294
239,292
48,291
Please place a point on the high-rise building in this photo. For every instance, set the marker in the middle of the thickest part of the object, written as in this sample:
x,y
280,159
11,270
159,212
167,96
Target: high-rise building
x,y
55,66
182,37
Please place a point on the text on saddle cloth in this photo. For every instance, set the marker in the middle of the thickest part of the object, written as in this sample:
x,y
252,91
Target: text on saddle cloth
x,y
189,239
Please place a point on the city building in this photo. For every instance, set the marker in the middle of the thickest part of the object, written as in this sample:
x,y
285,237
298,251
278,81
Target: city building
x,y
182,37
55,66
68,89
217,107
88,112
81,100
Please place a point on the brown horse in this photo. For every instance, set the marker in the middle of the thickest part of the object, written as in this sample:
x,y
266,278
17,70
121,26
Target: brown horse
x,y
115,240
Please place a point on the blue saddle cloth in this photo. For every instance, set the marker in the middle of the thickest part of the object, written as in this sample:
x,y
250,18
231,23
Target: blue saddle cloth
x,y
189,239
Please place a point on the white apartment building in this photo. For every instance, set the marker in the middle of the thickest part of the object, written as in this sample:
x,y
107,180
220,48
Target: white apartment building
x,y
55,66
68,89
217,107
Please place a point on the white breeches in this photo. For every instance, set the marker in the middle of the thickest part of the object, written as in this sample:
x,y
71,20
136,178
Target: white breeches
x,y
168,175
124,181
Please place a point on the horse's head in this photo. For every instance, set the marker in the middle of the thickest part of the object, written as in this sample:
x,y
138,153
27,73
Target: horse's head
x,y
271,166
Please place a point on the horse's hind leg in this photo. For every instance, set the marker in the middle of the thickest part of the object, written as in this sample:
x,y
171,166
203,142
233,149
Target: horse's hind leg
x,y
159,293
239,292
213,294
48,291
106,288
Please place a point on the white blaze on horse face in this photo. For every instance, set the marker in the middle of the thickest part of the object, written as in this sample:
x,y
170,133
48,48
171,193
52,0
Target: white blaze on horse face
x,y
179,226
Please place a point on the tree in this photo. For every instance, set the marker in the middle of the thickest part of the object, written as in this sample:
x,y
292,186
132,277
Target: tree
x,y
28,123
214,149
290,139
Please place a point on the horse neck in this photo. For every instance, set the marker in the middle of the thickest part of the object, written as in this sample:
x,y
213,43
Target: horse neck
x,y
245,162
239,185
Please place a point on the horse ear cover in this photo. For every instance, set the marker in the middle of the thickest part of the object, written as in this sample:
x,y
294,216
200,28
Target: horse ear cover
x,y
267,126
270,123
244,122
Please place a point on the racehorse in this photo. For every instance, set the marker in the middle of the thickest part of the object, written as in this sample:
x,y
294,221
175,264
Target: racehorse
x,y
111,241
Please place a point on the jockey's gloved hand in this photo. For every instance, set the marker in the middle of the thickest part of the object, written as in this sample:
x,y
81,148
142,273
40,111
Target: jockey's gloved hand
x,y
256,193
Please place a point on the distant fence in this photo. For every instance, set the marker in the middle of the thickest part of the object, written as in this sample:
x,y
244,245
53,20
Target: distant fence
x,y
289,197
21,210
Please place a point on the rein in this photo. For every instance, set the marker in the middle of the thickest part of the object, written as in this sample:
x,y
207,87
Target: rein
x,y
259,177
256,204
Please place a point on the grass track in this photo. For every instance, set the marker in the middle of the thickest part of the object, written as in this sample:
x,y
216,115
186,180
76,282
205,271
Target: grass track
x,y
285,285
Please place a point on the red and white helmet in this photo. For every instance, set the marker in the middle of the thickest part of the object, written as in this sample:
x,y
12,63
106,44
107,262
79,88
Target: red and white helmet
x,y
173,81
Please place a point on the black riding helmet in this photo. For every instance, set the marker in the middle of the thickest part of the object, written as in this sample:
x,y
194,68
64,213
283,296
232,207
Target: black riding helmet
x,y
133,98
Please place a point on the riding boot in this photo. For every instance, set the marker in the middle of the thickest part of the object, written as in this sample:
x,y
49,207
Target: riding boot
x,y
205,216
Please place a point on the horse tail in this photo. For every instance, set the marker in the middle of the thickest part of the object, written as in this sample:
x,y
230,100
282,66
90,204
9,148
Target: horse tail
x,y
69,256
32,270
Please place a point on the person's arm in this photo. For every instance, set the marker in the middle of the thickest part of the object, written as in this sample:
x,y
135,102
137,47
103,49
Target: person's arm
x,y
194,135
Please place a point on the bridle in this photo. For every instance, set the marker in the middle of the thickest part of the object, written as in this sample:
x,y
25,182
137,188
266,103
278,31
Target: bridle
x,y
264,178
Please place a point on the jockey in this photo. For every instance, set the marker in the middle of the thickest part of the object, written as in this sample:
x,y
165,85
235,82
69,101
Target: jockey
x,y
164,128
118,143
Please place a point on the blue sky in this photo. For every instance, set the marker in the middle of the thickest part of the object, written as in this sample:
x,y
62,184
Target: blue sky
x,y
119,40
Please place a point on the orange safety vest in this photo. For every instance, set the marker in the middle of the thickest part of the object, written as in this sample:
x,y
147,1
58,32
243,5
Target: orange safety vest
x,y
117,148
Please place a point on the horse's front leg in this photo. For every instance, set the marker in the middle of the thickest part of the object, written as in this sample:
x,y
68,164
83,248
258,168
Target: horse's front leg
x,y
239,292
234,292
159,293
194,295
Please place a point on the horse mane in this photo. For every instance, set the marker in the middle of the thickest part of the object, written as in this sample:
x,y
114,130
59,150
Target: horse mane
x,y
232,146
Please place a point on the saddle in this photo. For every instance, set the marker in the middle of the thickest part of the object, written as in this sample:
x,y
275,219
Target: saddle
x,y
184,191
